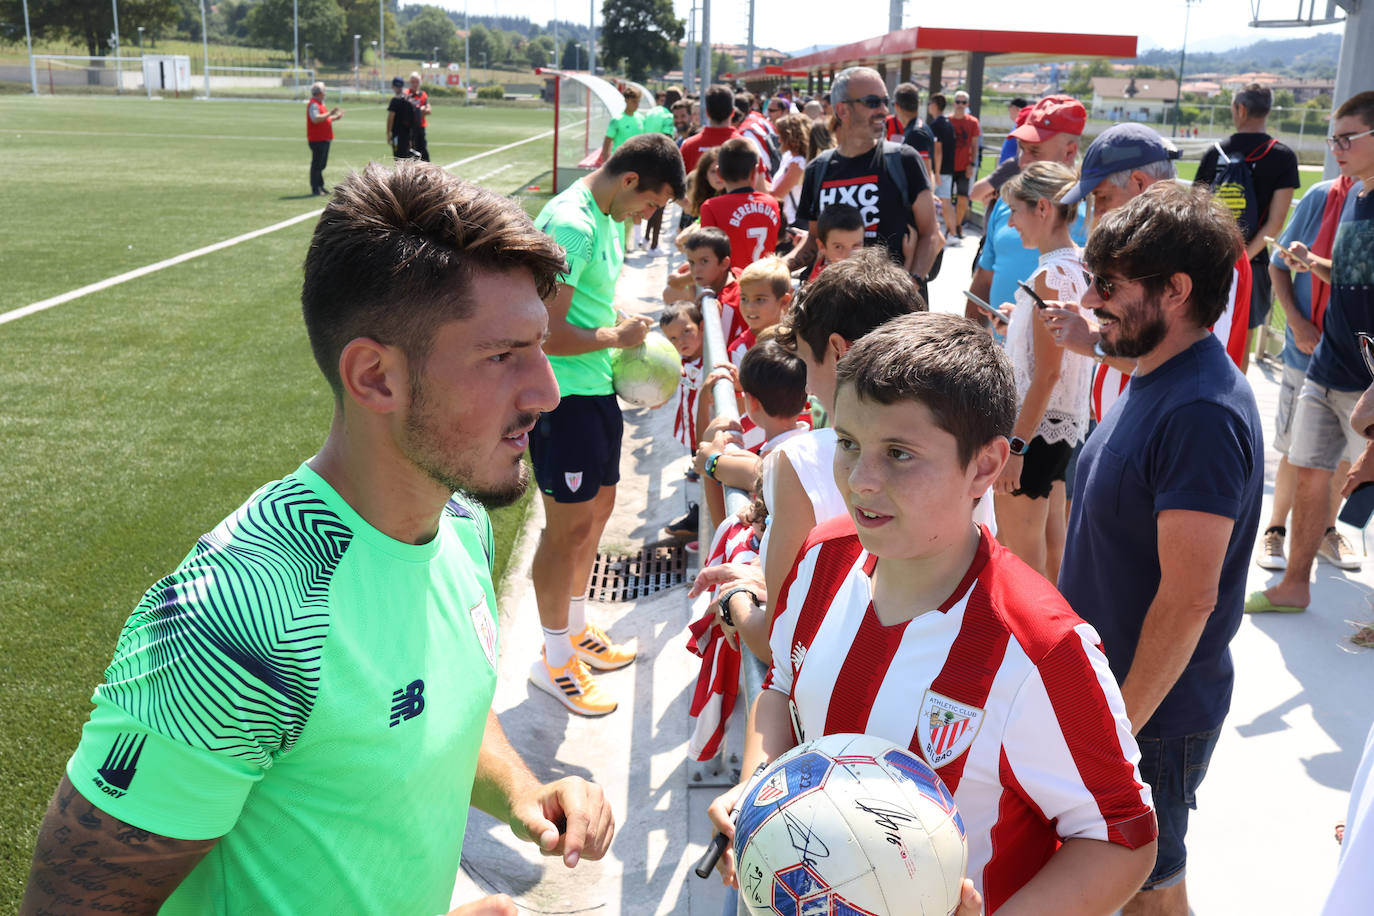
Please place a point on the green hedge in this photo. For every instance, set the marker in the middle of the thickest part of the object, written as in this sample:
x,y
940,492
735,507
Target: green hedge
x,y
496,92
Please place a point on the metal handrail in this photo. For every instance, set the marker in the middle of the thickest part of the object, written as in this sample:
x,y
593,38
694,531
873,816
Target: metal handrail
x,y
723,402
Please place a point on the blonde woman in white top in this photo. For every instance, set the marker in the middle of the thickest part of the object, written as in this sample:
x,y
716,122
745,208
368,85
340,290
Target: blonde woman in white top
x,y
1053,384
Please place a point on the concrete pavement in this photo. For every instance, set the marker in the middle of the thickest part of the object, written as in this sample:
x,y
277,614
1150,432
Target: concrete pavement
x,y
1260,842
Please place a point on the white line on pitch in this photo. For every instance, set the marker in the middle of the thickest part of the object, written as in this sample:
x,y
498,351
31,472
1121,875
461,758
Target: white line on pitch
x,y
487,175
16,314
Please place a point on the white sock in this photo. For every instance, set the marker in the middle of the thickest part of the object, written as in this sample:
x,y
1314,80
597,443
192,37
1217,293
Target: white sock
x,y
577,614
558,650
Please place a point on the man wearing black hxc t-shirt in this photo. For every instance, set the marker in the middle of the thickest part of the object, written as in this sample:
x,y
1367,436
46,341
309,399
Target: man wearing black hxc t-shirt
x,y
861,173
1274,173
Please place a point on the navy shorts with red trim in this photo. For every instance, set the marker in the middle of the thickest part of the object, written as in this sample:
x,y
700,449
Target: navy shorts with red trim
x,y
575,448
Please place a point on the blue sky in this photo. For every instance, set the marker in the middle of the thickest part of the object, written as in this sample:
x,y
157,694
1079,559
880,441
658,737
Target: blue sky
x,y
791,24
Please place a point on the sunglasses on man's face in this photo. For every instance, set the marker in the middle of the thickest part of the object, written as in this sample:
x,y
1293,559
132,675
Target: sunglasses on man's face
x,y
961,101
1107,288
1367,351
872,101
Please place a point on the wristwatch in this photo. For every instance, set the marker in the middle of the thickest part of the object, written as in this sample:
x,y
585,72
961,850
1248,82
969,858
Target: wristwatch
x,y
1019,446
711,465
724,603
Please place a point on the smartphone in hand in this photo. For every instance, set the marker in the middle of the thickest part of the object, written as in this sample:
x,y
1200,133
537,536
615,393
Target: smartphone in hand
x,y
1035,297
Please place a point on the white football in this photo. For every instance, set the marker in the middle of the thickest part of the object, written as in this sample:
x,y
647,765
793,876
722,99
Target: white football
x,y
849,825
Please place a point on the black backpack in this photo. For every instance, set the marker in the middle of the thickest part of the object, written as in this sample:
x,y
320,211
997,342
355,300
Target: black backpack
x,y
1234,185
892,167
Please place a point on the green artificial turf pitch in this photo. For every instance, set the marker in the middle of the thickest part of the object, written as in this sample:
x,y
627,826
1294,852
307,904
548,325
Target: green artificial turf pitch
x,y
134,419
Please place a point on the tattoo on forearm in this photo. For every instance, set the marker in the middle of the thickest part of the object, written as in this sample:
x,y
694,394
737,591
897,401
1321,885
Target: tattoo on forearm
x,y
86,861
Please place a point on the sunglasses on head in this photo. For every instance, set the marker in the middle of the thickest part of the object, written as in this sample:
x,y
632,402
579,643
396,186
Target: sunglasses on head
x,y
1107,288
872,101
1367,351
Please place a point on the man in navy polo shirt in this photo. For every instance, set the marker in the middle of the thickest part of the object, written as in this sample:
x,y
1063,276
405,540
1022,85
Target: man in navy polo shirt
x,y
1161,531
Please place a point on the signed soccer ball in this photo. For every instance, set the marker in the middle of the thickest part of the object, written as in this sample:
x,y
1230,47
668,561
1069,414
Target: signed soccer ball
x,y
849,825
646,375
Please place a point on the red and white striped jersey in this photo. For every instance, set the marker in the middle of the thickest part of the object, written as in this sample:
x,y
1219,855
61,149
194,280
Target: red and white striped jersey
x,y
685,423
740,346
1002,689
1233,328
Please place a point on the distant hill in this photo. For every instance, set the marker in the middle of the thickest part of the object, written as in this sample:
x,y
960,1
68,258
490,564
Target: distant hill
x,y
810,50
1311,58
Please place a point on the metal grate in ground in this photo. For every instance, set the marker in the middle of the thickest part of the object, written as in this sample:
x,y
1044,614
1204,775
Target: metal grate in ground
x,y
625,577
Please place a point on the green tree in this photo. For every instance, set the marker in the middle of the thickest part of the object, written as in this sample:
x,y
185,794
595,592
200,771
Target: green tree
x,y
322,23
89,23
539,51
721,63
488,44
360,18
574,56
643,32
1080,81
431,28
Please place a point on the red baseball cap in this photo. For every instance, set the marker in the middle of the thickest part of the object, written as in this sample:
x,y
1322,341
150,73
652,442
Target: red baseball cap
x,y
1054,114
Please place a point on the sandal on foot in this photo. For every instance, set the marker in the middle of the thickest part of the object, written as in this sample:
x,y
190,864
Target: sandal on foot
x,y
1259,603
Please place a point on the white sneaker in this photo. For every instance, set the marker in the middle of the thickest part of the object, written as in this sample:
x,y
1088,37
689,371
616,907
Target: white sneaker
x,y
1336,550
572,685
1271,549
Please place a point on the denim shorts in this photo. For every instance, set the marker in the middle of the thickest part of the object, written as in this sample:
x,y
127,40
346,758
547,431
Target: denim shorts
x,y
1322,435
1289,386
1174,768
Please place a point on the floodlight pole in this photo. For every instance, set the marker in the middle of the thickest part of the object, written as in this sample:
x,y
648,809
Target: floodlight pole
x,y
381,39
1182,56
147,86
467,57
119,90
205,47
749,47
28,40
357,74
689,54
295,34
591,49
710,74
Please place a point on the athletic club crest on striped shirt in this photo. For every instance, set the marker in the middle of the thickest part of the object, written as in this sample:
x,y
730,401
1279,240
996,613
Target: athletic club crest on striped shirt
x,y
946,728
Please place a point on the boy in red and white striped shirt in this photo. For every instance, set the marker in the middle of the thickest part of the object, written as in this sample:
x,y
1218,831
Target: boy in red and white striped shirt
x,y
904,619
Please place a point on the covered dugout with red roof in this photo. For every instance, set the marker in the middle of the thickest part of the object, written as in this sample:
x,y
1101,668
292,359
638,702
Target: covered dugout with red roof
x,y
895,54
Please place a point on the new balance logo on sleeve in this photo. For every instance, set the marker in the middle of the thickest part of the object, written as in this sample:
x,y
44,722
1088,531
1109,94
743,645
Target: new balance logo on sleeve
x,y
408,702
121,763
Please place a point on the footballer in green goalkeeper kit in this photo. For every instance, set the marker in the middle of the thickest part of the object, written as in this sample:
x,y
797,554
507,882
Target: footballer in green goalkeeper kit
x,y
298,717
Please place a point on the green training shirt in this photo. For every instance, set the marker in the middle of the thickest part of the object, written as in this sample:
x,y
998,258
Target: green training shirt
x,y
313,692
595,247
658,120
623,127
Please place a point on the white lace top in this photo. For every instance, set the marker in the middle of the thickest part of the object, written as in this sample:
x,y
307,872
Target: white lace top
x,y
1066,416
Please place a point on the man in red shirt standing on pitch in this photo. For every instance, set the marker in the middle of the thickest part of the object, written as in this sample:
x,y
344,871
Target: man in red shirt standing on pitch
x,y
966,134
750,218
719,108
319,131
